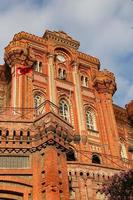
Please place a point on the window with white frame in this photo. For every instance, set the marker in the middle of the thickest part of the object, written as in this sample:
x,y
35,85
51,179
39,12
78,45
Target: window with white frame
x,y
38,66
62,73
37,100
90,119
84,81
123,152
64,110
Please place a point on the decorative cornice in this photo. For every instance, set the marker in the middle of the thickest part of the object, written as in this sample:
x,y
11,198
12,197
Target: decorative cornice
x,y
28,36
104,82
120,113
89,58
62,38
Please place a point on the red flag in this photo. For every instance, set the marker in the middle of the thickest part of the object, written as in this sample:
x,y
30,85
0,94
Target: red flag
x,y
23,70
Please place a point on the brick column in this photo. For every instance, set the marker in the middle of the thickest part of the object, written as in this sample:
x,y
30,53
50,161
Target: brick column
x,y
105,85
26,196
64,176
51,174
36,177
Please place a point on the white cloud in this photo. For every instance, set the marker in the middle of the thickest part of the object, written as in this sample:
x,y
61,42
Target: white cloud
x,y
103,28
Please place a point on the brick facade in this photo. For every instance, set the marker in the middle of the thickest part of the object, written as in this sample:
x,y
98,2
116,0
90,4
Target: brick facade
x,y
61,136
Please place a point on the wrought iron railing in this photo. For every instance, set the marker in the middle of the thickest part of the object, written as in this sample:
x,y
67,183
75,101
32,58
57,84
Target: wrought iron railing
x,y
17,114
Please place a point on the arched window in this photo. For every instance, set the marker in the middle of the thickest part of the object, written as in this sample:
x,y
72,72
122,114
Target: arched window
x,y
91,119
96,159
71,155
37,100
84,81
64,110
123,152
38,66
62,73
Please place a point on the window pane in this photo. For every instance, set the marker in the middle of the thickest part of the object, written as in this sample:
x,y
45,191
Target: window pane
x,y
64,110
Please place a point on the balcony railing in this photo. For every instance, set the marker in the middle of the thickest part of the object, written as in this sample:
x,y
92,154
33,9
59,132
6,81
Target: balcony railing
x,y
27,114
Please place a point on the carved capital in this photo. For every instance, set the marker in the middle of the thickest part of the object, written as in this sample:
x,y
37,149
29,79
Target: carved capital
x,y
104,82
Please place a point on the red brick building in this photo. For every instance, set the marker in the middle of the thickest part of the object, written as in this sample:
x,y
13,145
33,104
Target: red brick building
x,y
60,134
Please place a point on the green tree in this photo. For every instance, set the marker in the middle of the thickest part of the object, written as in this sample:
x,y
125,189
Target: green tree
x,y
119,187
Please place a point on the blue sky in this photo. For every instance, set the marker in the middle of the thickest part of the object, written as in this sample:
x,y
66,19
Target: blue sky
x,y
103,27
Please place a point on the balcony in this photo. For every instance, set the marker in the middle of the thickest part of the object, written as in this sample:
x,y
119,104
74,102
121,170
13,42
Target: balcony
x,y
33,126
11,114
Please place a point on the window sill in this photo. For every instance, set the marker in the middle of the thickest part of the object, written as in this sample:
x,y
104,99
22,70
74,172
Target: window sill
x,y
93,132
87,88
65,81
125,160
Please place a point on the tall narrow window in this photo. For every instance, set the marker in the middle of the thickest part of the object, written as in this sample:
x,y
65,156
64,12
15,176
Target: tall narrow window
x,y
62,73
38,66
123,152
37,100
84,81
64,110
91,119
38,104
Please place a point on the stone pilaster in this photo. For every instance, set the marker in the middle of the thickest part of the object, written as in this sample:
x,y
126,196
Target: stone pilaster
x,y
79,103
51,74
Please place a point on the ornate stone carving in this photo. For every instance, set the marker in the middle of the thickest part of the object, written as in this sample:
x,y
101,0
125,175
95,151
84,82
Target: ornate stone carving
x,y
120,113
104,82
130,110
18,52
61,37
89,58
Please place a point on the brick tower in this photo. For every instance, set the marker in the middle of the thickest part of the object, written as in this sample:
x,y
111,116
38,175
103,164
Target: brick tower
x,y
61,136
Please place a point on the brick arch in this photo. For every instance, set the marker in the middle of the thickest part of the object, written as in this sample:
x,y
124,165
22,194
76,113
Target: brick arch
x,y
83,71
62,49
90,107
40,92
